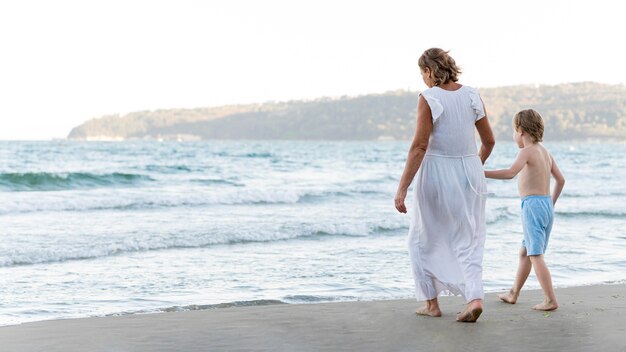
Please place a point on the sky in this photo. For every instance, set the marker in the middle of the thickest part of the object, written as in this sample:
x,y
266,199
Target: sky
x,y
64,62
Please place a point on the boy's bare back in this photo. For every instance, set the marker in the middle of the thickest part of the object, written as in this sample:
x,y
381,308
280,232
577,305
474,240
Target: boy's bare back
x,y
534,178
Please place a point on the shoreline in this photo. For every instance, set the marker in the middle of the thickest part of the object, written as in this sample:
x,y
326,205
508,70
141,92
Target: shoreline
x,y
589,317
271,302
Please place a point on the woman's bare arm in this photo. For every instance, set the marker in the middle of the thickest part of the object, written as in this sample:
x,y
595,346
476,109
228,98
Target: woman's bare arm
x,y
416,152
487,139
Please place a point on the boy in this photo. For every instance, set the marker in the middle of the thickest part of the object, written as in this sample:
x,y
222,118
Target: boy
x,y
534,165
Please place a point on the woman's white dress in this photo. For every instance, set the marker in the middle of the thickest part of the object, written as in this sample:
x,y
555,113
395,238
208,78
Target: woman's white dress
x,y
447,232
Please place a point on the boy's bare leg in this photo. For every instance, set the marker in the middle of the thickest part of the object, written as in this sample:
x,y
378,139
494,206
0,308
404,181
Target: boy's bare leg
x,y
430,309
545,280
472,311
523,270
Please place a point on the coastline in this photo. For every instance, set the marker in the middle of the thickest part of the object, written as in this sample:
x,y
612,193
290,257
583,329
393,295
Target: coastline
x,y
589,318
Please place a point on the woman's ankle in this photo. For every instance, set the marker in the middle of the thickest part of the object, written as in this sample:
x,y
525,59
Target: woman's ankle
x,y
475,303
432,304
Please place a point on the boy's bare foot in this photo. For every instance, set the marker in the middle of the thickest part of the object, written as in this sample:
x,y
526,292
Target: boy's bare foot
x,y
509,297
547,306
429,311
471,313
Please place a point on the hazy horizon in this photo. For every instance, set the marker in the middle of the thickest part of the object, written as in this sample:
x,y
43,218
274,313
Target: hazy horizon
x,y
312,99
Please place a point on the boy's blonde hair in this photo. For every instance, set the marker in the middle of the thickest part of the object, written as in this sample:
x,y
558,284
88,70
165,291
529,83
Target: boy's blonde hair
x,y
530,122
442,66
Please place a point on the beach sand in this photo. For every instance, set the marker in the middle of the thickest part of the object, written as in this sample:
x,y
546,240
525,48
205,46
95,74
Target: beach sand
x,y
590,318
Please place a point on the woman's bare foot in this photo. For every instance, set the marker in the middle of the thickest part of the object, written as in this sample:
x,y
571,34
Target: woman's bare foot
x,y
429,311
471,313
547,305
510,297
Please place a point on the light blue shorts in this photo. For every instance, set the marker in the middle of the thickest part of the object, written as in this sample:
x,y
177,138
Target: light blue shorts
x,y
537,218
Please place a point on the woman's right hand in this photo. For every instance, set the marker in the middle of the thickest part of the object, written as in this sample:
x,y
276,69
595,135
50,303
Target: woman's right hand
x,y
399,200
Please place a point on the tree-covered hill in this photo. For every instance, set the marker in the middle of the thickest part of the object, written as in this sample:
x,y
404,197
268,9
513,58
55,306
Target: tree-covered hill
x,y
571,111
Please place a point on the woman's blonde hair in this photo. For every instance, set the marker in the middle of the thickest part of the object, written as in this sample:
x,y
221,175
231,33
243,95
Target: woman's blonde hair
x,y
442,67
530,122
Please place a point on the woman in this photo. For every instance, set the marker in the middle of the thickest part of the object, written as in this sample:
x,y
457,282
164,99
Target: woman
x,y
447,232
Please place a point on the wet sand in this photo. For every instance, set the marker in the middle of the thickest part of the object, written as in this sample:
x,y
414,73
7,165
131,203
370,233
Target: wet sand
x,y
590,318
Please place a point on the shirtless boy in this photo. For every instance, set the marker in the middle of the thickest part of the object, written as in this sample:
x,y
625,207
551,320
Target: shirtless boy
x,y
534,165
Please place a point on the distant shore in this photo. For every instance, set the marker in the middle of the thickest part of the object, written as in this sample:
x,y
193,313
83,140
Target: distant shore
x,y
572,110
590,318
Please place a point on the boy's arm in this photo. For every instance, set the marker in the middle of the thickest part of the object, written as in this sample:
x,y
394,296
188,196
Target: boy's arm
x,y
559,181
507,174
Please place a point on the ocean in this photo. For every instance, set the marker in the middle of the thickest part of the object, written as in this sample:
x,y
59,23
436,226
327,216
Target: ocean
x,y
111,228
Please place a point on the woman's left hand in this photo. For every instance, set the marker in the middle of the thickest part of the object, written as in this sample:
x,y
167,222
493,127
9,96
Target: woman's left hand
x,y
399,201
